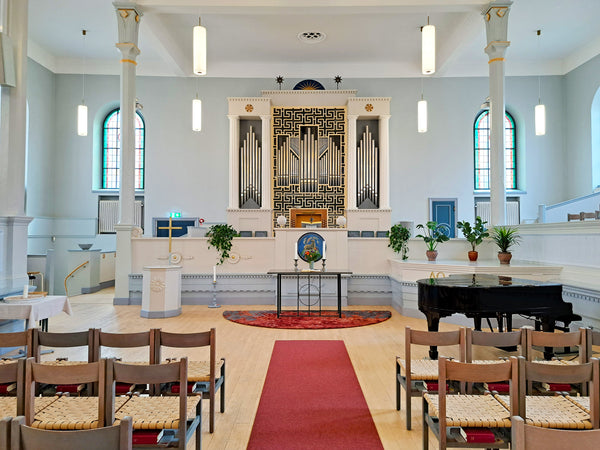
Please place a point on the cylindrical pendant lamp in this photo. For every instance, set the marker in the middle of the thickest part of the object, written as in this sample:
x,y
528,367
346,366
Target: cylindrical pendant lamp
x,y
197,114
199,49
82,120
540,120
428,49
422,116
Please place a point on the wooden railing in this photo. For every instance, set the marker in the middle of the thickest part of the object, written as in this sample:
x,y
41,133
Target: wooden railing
x,y
72,273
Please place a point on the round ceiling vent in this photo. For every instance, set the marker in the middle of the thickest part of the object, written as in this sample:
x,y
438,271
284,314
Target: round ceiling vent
x,y
311,37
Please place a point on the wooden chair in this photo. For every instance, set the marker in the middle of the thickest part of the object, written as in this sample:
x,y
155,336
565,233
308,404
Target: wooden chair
x,y
204,377
573,217
480,412
64,340
418,372
528,437
566,412
157,421
64,412
5,433
12,374
18,339
122,341
113,437
551,341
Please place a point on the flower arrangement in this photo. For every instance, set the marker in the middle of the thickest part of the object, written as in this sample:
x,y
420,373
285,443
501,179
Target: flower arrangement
x,y
311,255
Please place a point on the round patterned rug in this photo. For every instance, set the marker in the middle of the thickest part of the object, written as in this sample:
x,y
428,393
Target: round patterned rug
x,y
289,319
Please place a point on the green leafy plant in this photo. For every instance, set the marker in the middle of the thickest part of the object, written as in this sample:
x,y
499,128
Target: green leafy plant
x,y
474,233
399,236
433,234
312,255
505,237
220,237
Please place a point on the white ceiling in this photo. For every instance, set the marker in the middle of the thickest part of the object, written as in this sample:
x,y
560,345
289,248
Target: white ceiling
x,y
258,38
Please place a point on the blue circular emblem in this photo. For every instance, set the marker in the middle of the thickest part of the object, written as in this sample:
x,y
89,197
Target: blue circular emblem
x,y
310,247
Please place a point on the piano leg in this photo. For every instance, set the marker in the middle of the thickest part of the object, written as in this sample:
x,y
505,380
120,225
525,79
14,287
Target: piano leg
x,y
433,324
548,327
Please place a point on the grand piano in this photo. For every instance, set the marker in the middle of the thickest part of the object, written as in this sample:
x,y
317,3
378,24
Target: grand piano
x,y
481,296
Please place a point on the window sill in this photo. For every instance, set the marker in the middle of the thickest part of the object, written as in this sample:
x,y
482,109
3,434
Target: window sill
x,y
114,191
510,192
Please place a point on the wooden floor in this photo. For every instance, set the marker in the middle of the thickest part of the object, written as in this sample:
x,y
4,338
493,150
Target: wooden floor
x,y
247,349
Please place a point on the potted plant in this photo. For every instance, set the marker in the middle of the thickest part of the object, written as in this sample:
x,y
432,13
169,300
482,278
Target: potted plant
x,y
505,237
311,255
399,236
433,234
474,234
220,236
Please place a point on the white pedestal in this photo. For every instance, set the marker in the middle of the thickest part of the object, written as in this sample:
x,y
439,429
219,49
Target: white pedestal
x,y
161,292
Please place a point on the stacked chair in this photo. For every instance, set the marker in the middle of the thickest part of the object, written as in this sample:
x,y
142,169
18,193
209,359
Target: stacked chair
x,y
528,437
204,378
418,375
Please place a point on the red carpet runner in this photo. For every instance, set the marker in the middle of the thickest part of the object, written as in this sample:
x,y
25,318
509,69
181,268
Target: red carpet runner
x,y
312,400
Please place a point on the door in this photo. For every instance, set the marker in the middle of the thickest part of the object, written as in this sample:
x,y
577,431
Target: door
x,y
443,212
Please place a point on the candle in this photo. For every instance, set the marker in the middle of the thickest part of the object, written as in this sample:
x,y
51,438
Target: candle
x,y
324,249
295,251
214,274
25,291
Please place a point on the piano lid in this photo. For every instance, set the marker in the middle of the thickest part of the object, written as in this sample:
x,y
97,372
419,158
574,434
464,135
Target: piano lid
x,y
481,280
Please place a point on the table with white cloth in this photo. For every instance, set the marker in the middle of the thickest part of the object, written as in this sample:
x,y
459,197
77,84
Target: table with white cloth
x,y
35,308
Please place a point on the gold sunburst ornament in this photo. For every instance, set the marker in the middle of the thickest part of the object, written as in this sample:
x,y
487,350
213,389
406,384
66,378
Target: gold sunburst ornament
x,y
249,108
368,107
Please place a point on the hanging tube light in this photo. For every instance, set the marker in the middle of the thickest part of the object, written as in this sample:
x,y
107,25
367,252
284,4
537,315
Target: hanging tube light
x,y
422,115
540,109
82,110
428,49
199,44
197,114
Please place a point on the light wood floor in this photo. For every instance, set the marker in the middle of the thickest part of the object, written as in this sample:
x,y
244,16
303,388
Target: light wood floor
x,y
247,349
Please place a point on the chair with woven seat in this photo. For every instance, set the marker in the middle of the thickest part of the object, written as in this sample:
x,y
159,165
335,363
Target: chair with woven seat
x,y
509,341
529,437
5,433
112,437
64,412
12,374
18,339
550,341
64,340
486,416
418,372
104,340
559,410
204,377
158,421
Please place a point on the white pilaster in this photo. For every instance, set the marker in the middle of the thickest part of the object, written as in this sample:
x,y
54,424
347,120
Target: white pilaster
x,y
266,176
496,21
351,168
234,161
128,20
384,161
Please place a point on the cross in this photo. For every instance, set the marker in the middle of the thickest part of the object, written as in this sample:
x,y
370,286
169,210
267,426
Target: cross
x,y
170,228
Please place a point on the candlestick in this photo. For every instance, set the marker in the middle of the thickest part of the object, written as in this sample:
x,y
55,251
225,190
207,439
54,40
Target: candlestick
x,y
214,274
26,291
295,251
324,249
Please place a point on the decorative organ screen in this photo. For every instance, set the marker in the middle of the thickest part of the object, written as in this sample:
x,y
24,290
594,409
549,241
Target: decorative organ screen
x,y
309,160
250,164
367,164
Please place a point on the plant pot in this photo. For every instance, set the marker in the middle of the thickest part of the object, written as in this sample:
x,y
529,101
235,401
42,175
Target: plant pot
x,y
431,255
473,255
504,257
311,265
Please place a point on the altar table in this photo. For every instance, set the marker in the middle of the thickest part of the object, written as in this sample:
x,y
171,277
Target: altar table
x,y
35,308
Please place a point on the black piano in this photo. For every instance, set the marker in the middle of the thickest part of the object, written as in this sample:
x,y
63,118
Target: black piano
x,y
481,296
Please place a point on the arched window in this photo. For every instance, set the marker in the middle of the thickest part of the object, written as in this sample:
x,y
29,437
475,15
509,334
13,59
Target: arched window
x,y
481,131
111,150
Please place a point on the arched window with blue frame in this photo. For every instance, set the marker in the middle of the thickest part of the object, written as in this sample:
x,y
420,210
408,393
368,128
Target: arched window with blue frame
x,y
111,150
481,133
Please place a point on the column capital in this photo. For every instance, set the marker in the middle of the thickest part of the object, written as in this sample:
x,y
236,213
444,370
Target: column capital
x,y
352,117
496,21
385,117
128,22
264,117
232,116
129,52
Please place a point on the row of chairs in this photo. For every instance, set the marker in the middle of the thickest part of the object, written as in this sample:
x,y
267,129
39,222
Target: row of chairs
x,y
584,216
204,377
156,421
416,376
463,420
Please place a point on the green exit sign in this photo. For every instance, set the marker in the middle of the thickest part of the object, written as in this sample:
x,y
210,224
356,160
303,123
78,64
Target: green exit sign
x,y
175,215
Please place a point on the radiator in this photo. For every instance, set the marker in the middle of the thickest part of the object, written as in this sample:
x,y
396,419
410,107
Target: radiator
x,y
108,215
483,210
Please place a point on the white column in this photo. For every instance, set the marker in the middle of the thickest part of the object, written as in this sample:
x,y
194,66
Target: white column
x,y
266,162
351,167
13,141
496,20
384,161
128,19
234,161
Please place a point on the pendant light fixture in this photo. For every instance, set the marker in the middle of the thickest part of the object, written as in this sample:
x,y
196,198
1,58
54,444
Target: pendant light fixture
x,y
540,109
422,113
428,49
82,110
196,111
199,43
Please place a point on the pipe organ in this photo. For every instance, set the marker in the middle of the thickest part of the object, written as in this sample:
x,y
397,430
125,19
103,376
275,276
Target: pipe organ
x,y
250,171
367,163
